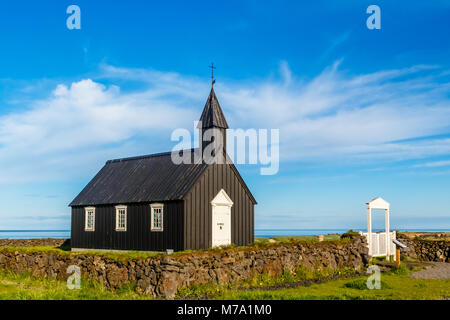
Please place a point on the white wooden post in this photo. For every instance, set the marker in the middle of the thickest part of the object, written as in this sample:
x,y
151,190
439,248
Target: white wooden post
x,y
388,241
369,229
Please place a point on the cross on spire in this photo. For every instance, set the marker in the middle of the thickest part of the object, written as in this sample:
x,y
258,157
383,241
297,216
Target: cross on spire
x,y
212,72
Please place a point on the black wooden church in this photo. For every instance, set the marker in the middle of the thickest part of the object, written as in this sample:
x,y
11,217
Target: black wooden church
x,y
150,203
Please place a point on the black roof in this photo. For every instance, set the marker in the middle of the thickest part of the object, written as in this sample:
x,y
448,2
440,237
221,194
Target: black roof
x,y
212,115
144,179
140,179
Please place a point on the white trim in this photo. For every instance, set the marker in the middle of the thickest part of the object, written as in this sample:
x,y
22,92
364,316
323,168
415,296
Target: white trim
x,y
154,206
118,208
379,204
222,199
86,210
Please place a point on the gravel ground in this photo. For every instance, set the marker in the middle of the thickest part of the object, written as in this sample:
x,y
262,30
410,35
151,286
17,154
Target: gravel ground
x,y
436,270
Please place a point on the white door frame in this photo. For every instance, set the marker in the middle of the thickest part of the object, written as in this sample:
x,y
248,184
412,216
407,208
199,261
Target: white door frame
x,y
221,199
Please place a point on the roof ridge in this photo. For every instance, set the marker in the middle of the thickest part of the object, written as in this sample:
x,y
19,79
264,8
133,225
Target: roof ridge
x,y
154,155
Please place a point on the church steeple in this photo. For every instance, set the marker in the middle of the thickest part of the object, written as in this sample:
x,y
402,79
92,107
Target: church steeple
x,y
212,115
213,129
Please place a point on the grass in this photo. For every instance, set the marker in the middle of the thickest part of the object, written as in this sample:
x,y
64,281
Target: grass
x,y
25,287
427,239
402,270
394,287
290,239
395,284
426,236
115,255
300,274
263,281
361,284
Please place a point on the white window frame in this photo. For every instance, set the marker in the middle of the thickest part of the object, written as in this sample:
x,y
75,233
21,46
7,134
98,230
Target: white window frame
x,y
154,206
118,208
86,218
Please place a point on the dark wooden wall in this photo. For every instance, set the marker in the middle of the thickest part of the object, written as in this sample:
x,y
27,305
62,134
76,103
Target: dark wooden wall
x,y
138,235
198,210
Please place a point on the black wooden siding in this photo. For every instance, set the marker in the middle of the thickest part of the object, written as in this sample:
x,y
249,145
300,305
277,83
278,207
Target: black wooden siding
x,y
138,235
198,210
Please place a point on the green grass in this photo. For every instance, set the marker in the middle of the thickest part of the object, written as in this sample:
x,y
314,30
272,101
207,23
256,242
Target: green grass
x,y
115,255
290,239
361,284
396,287
300,274
430,239
395,284
402,270
263,281
25,287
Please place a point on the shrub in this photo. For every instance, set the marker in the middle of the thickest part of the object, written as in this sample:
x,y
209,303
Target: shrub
x,y
350,234
402,270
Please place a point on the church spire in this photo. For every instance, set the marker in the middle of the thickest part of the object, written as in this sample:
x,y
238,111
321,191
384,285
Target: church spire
x,y
213,128
212,115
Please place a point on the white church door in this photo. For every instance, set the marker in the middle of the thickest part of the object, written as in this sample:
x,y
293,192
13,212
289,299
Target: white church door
x,y
221,219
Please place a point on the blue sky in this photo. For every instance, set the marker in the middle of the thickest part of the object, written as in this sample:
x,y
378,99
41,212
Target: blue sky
x,y
362,113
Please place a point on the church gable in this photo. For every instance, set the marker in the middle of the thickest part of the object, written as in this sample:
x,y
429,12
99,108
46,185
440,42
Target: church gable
x,y
198,207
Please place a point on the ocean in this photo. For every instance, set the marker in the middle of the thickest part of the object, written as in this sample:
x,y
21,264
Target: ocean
x,y
259,233
269,233
34,234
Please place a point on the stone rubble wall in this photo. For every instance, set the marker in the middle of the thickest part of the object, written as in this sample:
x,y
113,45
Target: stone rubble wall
x,y
163,275
426,250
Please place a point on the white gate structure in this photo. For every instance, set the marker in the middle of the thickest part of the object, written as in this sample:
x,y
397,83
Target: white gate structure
x,y
380,243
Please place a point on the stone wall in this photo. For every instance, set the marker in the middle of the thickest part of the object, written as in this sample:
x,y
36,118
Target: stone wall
x,y
33,242
425,250
163,275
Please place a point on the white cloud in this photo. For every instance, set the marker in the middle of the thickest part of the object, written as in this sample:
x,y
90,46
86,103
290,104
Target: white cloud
x,y
331,117
335,115
77,123
433,164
